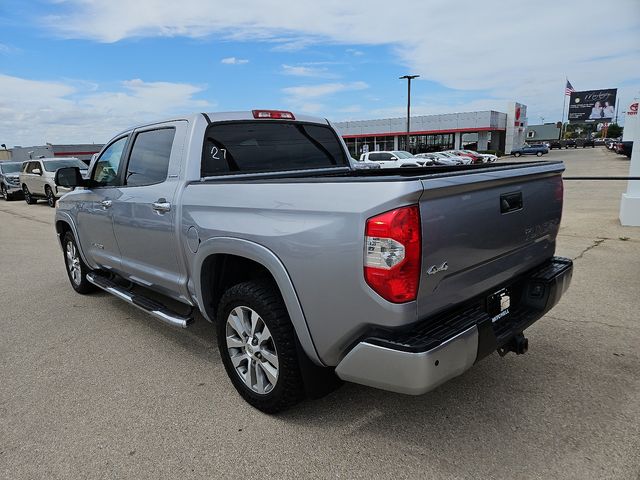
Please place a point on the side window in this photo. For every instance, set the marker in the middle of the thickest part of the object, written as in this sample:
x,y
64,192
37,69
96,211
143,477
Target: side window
x,y
106,169
380,157
149,159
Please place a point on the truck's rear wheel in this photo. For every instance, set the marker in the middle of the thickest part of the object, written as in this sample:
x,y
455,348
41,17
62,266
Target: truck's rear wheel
x,y
76,269
257,345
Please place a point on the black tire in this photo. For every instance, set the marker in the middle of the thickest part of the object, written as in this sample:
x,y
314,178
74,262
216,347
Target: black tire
x,y
27,196
538,154
4,193
264,298
51,198
517,154
80,284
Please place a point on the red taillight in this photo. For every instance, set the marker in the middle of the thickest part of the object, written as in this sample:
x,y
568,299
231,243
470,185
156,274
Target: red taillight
x,y
278,114
559,189
392,254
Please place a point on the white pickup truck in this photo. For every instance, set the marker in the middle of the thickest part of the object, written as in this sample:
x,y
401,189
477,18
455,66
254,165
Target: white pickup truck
x,y
391,159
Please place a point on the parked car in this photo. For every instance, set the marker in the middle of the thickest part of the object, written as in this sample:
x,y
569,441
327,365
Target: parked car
x,y
460,159
570,143
555,144
37,178
537,149
10,180
310,268
426,159
587,142
438,158
475,158
390,159
484,157
626,148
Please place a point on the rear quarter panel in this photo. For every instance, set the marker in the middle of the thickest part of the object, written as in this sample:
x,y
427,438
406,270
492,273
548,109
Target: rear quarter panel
x,y
316,229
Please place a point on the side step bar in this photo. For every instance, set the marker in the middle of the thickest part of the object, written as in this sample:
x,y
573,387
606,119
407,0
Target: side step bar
x,y
146,304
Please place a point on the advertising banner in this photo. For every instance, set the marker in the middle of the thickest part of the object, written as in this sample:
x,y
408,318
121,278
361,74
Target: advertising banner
x,y
592,106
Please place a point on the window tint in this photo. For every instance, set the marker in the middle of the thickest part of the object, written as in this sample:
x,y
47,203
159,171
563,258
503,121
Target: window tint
x,y
269,146
380,157
106,169
149,159
54,165
31,166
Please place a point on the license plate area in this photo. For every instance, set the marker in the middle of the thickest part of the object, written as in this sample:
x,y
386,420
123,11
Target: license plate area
x,y
498,304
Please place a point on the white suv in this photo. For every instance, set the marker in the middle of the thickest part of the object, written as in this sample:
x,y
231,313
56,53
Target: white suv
x,y
37,178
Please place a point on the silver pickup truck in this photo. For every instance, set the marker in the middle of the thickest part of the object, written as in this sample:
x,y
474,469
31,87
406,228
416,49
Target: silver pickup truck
x,y
313,270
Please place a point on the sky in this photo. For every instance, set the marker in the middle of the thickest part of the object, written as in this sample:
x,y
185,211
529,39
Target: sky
x,y
79,71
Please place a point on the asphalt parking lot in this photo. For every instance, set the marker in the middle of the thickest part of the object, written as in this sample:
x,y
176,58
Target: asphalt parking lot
x,y
93,388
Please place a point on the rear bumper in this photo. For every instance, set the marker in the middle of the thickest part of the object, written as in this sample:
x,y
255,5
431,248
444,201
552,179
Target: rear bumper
x,y
416,360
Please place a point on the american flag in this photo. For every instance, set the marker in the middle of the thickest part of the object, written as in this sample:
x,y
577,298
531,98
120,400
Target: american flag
x,y
568,90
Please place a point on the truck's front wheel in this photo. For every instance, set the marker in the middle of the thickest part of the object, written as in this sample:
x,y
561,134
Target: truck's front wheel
x,y
257,345
76,269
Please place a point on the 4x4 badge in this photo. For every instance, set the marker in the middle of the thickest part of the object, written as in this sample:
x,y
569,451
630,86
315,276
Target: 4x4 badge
x,y
435,269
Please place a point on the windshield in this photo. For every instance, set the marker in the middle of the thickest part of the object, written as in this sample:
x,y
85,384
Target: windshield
x,y
13,167
402,154
53,165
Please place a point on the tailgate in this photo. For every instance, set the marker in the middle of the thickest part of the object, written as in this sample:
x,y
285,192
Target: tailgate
x,y
481,229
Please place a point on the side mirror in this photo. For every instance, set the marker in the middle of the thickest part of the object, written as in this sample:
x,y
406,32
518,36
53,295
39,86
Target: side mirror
x,y
69,177
393,158
36,171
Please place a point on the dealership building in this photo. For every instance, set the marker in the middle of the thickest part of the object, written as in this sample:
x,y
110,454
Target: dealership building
x,y
485,130
83,151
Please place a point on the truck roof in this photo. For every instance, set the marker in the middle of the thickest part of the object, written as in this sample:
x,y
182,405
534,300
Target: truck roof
x,y
224,117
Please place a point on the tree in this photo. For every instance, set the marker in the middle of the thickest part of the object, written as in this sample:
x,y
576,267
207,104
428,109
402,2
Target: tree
x,y
614,131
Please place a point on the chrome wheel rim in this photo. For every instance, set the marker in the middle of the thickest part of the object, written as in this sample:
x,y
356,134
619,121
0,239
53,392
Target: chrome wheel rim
x,y
50,197
73,263
251,349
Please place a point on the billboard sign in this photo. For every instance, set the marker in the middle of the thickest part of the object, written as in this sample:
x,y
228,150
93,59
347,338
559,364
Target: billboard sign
x,y
592,106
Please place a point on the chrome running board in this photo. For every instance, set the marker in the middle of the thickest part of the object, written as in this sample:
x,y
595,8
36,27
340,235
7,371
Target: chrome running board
x,y
145,304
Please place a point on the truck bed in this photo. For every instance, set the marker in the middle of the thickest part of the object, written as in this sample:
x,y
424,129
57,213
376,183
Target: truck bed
x,y
314,223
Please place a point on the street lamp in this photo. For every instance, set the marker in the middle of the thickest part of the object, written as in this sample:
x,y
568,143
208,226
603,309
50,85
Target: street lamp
x,y
409,78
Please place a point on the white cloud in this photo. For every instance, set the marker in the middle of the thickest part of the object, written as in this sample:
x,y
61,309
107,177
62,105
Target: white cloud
x,y
234,61
306,71
322,89
305,98
35,112
493,50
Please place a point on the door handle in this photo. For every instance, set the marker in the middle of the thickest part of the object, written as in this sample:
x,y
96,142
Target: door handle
x,y
161,205
106,204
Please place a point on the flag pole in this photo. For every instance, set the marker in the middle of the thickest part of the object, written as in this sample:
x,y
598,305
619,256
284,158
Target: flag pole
x,y
564,101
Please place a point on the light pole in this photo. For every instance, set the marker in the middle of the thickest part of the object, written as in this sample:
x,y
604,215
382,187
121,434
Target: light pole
x,y
409,78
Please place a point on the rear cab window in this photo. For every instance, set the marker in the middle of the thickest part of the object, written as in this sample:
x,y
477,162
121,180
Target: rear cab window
x,y
268,146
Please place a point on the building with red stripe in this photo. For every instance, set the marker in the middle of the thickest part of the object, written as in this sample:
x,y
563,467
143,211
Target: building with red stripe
x,y
485,130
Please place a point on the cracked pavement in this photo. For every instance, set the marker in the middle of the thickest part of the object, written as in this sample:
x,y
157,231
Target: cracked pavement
x,y
92,388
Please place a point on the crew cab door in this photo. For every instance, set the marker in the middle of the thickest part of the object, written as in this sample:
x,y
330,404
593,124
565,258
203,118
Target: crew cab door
x,y
144,212
95,225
